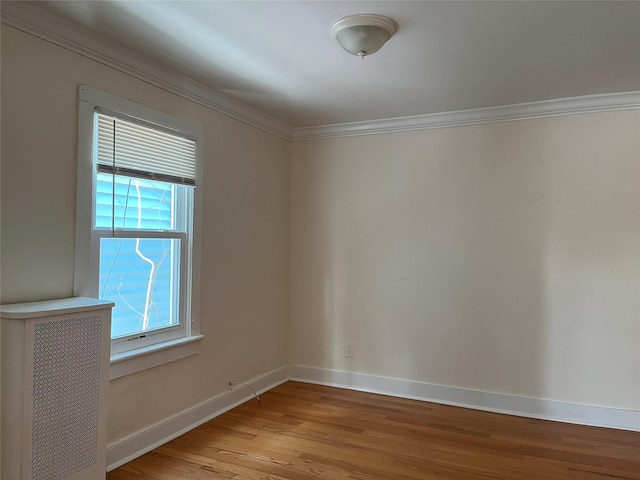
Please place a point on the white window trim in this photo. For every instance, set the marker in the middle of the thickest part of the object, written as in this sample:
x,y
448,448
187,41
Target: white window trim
x,y
85,278
133,361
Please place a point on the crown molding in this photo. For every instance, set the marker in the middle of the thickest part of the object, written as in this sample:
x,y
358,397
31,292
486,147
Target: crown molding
x,y
522,111
38,22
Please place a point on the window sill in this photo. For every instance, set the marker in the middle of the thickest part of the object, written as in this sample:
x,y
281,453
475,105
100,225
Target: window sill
x,y
126,363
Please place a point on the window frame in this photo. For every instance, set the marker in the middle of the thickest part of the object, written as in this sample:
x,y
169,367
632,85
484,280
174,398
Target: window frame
x,y
130,342
162,345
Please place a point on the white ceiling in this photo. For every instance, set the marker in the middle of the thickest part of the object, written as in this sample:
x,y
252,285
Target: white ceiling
x,y
278,56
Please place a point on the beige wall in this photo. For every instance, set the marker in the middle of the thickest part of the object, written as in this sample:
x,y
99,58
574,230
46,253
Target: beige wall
x,y
245,224
501,257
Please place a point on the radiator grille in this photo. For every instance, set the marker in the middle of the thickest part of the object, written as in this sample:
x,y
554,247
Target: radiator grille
x,y
66,382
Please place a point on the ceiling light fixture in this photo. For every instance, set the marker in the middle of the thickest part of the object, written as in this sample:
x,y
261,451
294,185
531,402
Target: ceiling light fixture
x,y
363,34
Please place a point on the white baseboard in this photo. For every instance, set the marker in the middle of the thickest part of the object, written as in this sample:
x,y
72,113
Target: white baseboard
x,y
139,443
476,399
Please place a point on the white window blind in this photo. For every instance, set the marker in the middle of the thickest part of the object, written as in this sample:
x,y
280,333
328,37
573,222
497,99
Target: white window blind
x,y
136,150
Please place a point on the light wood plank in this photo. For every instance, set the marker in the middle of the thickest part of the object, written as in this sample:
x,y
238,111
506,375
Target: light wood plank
x,y
308,432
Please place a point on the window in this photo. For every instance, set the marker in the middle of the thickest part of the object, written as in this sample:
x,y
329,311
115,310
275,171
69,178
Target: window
x,y
138,218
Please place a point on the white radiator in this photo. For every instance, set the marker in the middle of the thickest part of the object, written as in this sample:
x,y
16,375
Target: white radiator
x,y
55,371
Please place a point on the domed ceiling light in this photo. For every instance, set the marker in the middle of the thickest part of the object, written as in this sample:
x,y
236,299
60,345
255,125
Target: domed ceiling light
x,y
363,34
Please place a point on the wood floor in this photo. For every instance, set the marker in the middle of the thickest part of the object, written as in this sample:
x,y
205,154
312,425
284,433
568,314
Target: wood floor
x,y
303,432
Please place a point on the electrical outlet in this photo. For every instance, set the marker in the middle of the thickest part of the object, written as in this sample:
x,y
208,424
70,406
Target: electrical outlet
x,y
348,350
